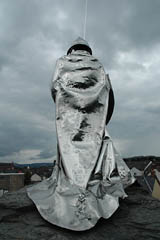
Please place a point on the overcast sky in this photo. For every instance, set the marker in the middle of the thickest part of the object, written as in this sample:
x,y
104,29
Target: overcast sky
x,y
123,34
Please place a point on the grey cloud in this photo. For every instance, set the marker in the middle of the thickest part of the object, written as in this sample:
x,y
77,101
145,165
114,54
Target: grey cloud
x,y
45,154
22,135
35,33
143,25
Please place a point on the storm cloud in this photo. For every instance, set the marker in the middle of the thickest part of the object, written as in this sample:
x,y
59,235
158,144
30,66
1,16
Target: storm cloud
x,y
124,35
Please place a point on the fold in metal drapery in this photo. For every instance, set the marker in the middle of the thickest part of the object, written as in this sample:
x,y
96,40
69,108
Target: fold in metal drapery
x,y
89,176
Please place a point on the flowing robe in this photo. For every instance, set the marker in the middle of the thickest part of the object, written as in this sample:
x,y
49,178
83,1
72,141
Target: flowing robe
x,y
89,176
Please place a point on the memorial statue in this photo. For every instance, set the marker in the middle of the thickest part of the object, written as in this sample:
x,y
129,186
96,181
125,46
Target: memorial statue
x,y
89,176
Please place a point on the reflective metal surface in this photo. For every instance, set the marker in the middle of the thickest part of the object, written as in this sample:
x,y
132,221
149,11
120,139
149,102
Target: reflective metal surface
x,y
89,176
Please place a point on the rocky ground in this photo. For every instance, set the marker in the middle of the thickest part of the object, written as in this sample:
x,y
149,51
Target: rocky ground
x,y
138,217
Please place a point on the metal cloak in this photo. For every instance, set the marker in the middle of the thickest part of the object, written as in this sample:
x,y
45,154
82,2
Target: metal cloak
x,y
89,175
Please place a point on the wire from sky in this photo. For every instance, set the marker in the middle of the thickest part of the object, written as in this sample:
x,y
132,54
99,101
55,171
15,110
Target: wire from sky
x,y
85,20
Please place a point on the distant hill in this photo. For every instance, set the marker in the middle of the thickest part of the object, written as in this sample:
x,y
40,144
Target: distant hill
x,y
33,165
141,162
143,158
136,161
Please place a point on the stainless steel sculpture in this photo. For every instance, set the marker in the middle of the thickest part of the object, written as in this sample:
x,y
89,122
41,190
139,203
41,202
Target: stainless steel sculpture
x,y
89,176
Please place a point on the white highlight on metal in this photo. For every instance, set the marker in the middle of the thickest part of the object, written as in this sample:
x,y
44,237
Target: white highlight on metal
x,y
85,20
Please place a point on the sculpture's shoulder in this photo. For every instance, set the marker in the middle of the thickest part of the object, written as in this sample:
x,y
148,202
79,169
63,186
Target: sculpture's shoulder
x,y
78,64
60,61
80,58
78,61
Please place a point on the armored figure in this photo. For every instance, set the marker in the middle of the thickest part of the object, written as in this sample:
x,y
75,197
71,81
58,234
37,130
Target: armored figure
x,y
89,176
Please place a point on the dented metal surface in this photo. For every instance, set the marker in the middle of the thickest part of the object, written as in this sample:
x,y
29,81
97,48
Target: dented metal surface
x,y
89,176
